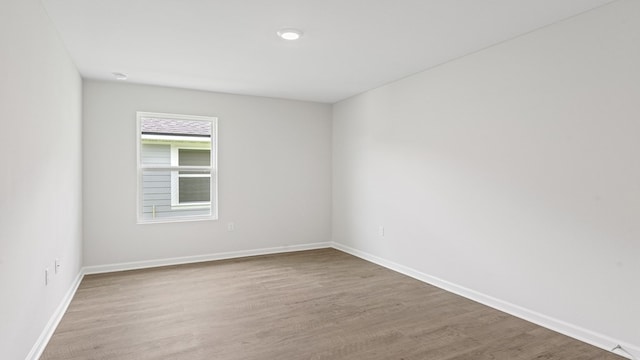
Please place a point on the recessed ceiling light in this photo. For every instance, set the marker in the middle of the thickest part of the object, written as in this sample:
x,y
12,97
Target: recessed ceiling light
x,y
119,76
290,34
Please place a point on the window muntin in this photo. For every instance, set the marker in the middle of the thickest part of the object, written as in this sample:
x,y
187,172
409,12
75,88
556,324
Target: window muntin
x,y
176,167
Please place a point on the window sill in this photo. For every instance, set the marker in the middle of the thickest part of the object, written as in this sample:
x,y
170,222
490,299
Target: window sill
x,y
194,206
176,219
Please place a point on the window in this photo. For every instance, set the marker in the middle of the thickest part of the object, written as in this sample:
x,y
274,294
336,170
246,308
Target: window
x,y
176,167
193,187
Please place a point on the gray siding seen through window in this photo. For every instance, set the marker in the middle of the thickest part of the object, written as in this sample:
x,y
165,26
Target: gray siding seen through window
x,y
156,185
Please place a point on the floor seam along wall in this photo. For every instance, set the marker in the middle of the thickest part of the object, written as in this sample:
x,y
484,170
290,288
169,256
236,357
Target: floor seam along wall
x,y
576,332
590,337
52,324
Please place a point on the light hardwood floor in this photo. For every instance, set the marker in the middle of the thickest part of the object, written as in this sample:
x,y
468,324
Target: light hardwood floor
x,y
321,304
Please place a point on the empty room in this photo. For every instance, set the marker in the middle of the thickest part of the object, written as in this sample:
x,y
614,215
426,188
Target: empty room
x,y
354,179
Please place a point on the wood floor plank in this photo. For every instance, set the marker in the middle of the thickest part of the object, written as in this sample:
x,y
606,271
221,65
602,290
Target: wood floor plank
x,y
320,304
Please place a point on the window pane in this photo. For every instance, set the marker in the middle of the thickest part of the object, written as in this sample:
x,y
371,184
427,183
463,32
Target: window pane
x,y
156,198
166,144
155,154
194,189
194,157
173,127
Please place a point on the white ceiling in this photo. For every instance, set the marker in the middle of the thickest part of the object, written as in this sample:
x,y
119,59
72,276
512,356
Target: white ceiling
x,y
349,46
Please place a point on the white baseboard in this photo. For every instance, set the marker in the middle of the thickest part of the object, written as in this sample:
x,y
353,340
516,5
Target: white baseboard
x,y
562,327
576,332
47,332
201,258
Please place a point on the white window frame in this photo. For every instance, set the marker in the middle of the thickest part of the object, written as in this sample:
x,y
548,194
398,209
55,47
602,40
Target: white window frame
x,y
175,179
213,169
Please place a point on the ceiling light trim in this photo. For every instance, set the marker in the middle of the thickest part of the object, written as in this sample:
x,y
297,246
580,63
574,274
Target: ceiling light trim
x,y
290,34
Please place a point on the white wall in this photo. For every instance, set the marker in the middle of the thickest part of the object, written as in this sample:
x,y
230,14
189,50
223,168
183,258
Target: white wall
x,y
274,174
513,172
40,181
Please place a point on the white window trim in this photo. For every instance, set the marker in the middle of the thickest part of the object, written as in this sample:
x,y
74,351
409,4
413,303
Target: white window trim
x,y
213,169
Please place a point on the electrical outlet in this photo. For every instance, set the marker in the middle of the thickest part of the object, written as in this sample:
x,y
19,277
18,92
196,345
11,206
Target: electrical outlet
x,y
381,231
56,267
231,226
46,276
